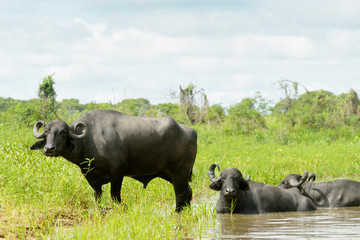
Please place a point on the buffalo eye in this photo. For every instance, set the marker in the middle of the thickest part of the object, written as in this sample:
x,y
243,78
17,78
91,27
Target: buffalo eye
x,y
63,133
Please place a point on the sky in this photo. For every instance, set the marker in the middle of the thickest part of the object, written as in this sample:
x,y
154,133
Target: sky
x,y
110,50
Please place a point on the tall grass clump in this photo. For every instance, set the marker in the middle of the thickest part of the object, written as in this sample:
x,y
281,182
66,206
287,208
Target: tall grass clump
x,y
44,197
49,198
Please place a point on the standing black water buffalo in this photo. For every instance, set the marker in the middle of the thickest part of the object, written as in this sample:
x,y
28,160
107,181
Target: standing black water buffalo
x,y
338,193
120,145
240,195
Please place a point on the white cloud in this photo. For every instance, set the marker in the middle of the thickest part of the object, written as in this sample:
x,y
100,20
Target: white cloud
x,y
6,70
129,42
273,46
229,97
230,49
65,73
341,43
244,80
107,97
198,64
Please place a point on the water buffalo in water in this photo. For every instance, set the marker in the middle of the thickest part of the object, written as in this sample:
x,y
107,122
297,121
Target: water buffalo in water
x,y
338,193
240,195
119,145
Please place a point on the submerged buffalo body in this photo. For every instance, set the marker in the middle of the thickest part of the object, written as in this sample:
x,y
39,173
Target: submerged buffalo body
x,y
240,195
108,145
338,193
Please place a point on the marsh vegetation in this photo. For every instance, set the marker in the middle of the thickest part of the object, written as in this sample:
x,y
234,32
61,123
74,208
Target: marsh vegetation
x,y
43,197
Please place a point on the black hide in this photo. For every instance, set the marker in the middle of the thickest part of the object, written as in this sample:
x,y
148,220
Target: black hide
x,y
240,195
338,193
119,145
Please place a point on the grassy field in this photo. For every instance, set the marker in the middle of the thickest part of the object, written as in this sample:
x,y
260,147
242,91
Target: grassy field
x,y
48,198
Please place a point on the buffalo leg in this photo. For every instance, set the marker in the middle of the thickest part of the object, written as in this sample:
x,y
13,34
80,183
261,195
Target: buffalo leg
x,y
116,185
97,193
183,194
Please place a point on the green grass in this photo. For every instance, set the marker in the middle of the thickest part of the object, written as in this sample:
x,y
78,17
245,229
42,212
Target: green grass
x,y
44,197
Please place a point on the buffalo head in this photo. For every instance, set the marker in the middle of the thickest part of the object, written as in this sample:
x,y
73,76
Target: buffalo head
x,y
56,137
229,183
295,180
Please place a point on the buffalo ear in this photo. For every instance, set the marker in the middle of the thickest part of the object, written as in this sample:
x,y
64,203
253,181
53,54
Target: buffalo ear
x,y
38,145
244,184
216,185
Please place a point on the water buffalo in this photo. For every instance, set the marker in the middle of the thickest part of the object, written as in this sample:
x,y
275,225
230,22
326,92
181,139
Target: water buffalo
x,y
119,145
240,195
338,193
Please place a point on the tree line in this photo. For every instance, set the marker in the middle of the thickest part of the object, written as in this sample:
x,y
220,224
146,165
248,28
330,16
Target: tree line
x,y
313,110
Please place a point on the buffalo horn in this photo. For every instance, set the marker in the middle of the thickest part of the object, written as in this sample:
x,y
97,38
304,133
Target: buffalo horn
x,y
312,177
294,183
81,126
211,172
247,179
36,128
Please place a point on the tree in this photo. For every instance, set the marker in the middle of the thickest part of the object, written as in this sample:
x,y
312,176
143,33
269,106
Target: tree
x,y
245,117
167,109
316,109
351,103
195,109
216,114
349,107
69,109
135,107
246,110
25,113
291,94
47,95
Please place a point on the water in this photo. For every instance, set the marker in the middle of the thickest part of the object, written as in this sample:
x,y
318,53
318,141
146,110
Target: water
x,y
325,223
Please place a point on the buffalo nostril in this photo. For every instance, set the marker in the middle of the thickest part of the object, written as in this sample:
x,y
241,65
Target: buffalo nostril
x,y
230,191
50,148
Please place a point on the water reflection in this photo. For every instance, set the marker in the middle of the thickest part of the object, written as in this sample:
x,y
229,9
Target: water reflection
x,y
328,223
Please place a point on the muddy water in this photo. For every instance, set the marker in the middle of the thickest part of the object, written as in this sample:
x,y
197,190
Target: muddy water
x,y
335,223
